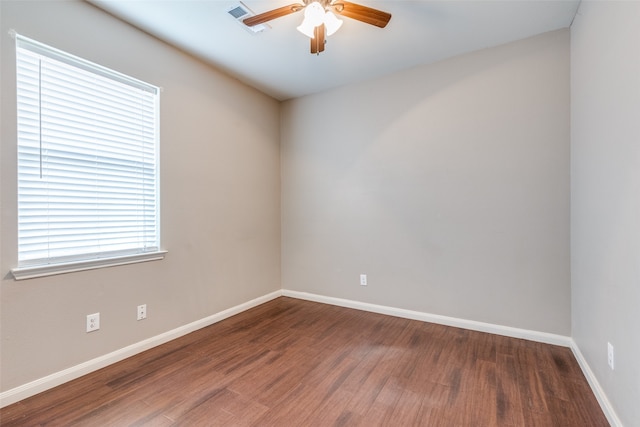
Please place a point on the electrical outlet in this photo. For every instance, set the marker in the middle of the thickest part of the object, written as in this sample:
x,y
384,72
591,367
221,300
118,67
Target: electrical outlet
x,y
93,322
142,311
363,280
610,355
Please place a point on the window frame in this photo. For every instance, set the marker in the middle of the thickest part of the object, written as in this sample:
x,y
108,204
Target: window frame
x,y
27,269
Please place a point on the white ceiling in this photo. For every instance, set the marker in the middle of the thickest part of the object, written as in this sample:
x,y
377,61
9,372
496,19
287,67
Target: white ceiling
x,y
278,62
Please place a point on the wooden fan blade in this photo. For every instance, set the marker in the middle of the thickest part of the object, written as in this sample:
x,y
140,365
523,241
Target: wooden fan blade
x,y
362,13
273,14
317,42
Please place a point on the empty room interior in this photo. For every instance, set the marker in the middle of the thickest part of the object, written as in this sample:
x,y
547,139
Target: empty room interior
x,y
399,229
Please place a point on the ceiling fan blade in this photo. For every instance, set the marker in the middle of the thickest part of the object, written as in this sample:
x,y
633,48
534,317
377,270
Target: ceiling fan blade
x,y
317,42
273,14
362,13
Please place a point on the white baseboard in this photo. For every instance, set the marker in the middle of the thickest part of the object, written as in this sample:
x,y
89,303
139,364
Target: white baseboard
x,y
34,387
608,410
491,328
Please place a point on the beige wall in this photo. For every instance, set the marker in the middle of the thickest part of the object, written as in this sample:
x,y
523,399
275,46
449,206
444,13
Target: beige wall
x,y
447,184
220,194
605,197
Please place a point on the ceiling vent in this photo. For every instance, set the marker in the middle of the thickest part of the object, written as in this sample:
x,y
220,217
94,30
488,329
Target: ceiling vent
x,y
240,12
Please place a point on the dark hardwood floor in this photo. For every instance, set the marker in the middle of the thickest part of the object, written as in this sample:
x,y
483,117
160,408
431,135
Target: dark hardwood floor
x,y
297,363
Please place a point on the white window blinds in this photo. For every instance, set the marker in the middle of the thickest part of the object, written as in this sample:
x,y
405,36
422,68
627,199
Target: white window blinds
x,y
87,160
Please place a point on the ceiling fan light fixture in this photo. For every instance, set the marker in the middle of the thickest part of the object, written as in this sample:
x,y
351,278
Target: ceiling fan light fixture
x,y
307,29
332,23
314,14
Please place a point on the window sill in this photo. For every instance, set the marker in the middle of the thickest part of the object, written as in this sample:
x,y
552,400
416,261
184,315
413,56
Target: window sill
x,y
30,272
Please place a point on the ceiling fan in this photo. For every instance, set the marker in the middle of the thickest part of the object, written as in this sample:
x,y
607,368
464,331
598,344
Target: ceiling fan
x,y
320,18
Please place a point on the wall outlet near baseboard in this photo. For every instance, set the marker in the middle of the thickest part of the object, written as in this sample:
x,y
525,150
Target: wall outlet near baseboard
x,y
142,311
363,280
610,355
93,322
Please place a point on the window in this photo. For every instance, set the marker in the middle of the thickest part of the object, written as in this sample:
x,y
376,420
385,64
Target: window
x,y
87,164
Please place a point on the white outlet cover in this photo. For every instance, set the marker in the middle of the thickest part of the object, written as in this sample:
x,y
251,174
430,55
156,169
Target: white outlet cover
x,y
142,311
93,322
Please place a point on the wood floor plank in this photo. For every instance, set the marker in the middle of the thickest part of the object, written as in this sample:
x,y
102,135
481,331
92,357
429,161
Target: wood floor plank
x,y
293,410
381,411
297,363
481,396
508,399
